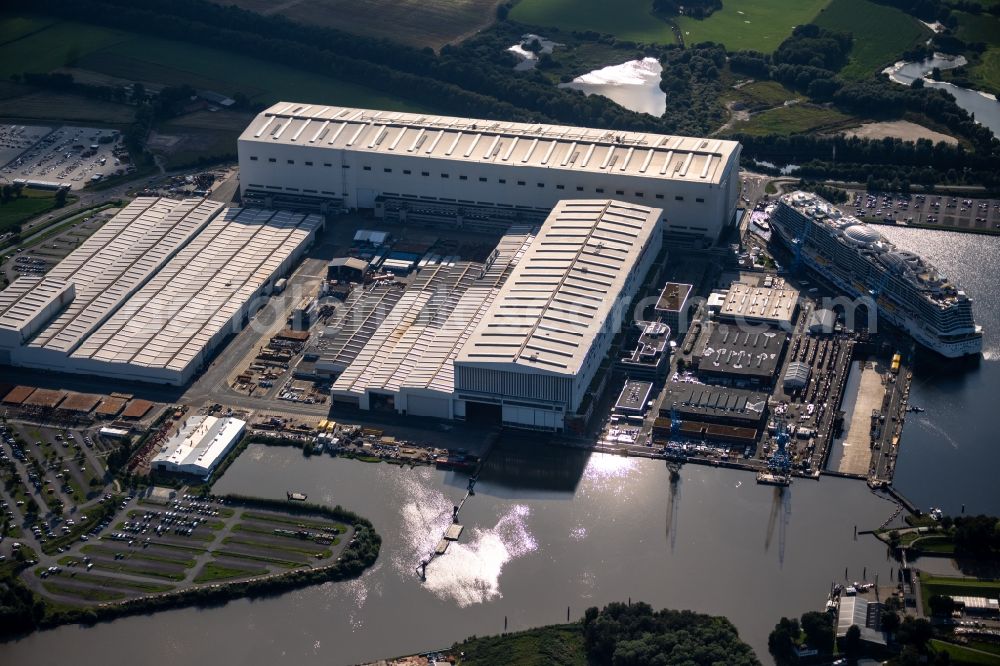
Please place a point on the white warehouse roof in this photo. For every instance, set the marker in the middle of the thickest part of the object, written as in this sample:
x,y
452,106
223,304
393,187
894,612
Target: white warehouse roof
x,y
199,445
415,345
152,291
490,141
565,287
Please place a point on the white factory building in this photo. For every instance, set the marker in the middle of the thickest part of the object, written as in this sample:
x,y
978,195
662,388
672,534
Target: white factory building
x,y
153,292
199,445
515,342
481,174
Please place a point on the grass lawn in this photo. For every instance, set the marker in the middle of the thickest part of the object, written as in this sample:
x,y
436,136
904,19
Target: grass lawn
x,y
764,94
85,593
212,571
962,655
292,520
287,564
931,585
559,645
626,19
795,119
881,34
16,211
758,25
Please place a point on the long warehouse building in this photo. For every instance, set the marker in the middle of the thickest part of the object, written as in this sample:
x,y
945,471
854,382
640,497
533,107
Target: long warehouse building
x,y
533,356
481,174
153,292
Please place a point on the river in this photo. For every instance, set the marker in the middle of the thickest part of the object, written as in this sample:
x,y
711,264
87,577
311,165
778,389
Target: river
x,y
983,105
548,528
949,453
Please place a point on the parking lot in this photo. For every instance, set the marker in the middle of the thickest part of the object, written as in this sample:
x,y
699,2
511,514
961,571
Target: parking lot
x,y
944,211
51,470
41,258
157,544
15,139
72,155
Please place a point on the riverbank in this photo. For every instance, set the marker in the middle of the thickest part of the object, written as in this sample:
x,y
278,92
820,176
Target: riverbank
x,y
258,548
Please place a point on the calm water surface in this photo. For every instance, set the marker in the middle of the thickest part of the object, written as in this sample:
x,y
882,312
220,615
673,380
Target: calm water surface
x,y
575,530
550,528
950,453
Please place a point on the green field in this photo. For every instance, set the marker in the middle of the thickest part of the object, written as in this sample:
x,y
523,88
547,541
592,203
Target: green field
x,y
626,19
20,26
756,25
951,586
125,55
794,119
760,95
962,656
212,571
984,72
881,34
16,211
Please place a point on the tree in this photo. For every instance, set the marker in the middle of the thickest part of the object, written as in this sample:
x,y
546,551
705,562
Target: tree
x,y
917,83
60,198
916,632
852,642
818,628
890,622
138,93
781,643
941,605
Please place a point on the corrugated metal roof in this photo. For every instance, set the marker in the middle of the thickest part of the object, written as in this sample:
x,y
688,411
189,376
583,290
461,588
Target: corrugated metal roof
x,y
564,288
415,346
514,144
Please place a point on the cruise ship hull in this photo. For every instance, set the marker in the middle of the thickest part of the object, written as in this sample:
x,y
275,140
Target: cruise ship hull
x,y
970,346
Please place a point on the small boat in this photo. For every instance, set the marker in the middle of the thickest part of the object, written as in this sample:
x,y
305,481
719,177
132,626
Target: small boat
x,y
914,409
769,479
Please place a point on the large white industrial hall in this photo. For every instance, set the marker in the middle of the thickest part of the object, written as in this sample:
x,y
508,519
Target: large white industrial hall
x,y
481,174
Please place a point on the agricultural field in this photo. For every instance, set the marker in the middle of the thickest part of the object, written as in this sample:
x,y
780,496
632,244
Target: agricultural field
x,y
881,34
794,119
19,102
757,25
432,23
132,57
626,19
984,72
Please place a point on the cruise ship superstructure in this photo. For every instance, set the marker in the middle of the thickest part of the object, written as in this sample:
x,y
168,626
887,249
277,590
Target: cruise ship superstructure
x,y
908,291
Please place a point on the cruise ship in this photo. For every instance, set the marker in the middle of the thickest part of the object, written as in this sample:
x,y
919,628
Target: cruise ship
x,y
909,292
